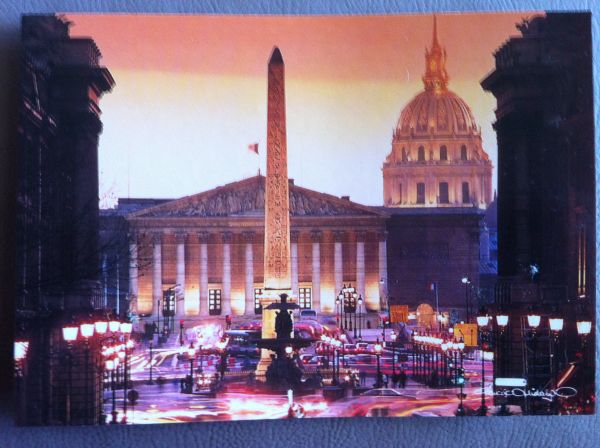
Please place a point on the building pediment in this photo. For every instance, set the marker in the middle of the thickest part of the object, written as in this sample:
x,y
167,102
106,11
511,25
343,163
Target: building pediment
x,y
247,198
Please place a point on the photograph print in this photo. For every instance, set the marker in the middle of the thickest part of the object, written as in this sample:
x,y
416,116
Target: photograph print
x,y
236,217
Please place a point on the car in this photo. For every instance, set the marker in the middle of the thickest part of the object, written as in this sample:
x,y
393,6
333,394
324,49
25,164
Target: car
x,y
364,358
350,349
306,357
243,343
382,392
308,314
317,360
361,347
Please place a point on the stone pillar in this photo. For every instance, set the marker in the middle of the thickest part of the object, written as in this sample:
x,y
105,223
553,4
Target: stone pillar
x,y
383,275
294,234
316,270
133,273
360,263
203,283
157,291
338,261
226,280
249,308
180,279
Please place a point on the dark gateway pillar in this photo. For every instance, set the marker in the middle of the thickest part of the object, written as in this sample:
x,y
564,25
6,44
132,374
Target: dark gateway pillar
x,y
546,188
57,247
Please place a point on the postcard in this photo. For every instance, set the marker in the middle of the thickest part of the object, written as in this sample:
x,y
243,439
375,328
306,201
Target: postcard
x,y
227,217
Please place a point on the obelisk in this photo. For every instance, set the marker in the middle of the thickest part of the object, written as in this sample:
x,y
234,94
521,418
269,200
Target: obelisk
x,y
277,265
277,210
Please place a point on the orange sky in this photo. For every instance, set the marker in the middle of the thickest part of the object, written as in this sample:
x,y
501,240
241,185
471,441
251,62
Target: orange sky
x,y
191,92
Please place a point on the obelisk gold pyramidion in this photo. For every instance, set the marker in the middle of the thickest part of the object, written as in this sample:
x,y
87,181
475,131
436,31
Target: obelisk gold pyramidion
x,y
277,269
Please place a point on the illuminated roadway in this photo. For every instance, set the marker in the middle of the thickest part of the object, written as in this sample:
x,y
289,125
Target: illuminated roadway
x,y
163,402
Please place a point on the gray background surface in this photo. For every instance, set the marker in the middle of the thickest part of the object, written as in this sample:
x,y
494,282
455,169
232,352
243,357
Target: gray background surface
x,y
342,433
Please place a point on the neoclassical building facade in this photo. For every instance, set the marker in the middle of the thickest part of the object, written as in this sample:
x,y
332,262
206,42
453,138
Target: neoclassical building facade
x,y
437,158
212,244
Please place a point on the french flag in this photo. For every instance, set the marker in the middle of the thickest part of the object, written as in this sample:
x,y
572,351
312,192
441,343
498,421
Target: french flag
x,y
253,147
433,286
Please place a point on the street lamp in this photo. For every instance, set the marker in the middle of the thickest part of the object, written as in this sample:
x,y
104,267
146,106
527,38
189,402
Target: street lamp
x,y
533,320
101,327
393,337
502,320
69,335
445,346
465,281
556,325
87,331
347,300
360,304
482,322
378,348
114,326
460,377
337,344
584,328
110,367
338,310
191,354
501,345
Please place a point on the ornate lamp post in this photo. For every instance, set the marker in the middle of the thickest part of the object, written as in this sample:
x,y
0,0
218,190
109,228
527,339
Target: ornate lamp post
x,y
378,348
347,298
87,331
533,320
482,323
111,365
70,336
556,325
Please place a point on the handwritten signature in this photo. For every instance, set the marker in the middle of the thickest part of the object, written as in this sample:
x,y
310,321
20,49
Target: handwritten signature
x,y
548,395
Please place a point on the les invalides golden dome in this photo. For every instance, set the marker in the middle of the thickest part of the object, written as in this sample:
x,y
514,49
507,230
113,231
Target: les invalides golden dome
x,y
437,159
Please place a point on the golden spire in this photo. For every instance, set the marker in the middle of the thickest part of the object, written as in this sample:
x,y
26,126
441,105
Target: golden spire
x,y
436,77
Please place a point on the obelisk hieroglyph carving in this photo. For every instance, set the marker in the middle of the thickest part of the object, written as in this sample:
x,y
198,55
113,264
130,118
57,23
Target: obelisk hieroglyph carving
x,y
277,263
277,210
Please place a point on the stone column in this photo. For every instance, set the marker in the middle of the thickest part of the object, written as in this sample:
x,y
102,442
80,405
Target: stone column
x,y
316,270
360,263
180,279
157,291
457,187
249,308
383,275
338,261
226,280
133,273
203,283
294,234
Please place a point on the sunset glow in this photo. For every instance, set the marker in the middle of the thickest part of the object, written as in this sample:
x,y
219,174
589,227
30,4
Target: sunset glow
x,y
190,94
